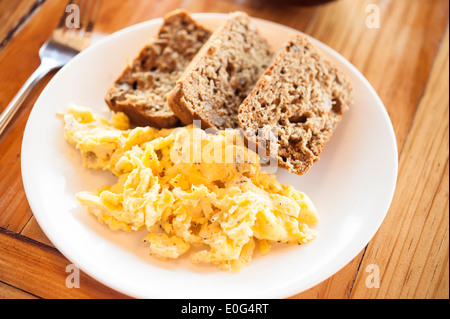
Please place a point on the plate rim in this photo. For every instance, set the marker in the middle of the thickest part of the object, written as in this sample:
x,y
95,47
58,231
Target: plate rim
x,y
291,288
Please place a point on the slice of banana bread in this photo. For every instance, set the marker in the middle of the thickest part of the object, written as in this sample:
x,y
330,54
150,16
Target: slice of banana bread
x,y
221,75
141,91
302,97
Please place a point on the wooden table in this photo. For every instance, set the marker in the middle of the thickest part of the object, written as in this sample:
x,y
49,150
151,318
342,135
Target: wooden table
x,y
405,57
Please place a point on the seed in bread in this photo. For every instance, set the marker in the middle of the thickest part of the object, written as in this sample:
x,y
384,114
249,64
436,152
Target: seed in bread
x,y
141,91
221,75
301,96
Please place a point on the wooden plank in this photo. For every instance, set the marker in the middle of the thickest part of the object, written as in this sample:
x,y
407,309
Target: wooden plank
x,y
12,15
33,231
12,197
412,246
116,15
8,292
335,287
41,271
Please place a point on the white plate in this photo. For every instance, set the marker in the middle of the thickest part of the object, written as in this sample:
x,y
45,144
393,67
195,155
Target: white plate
x,y
352,186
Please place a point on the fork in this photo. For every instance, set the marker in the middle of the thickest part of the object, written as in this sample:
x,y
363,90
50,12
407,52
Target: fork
x,y
65,43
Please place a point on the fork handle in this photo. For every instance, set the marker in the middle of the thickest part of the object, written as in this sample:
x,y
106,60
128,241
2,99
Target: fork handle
x,y
23,93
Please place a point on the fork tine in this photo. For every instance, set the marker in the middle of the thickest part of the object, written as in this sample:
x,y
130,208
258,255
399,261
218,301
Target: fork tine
x,y
90,15
85,7
94,15
62,21
78,38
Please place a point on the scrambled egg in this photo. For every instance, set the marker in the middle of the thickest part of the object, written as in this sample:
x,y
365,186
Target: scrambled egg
x,y
187,187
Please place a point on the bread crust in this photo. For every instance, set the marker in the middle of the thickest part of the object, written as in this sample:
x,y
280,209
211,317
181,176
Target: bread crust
x,y
221,75
143,99
302,96
140,118
182,111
